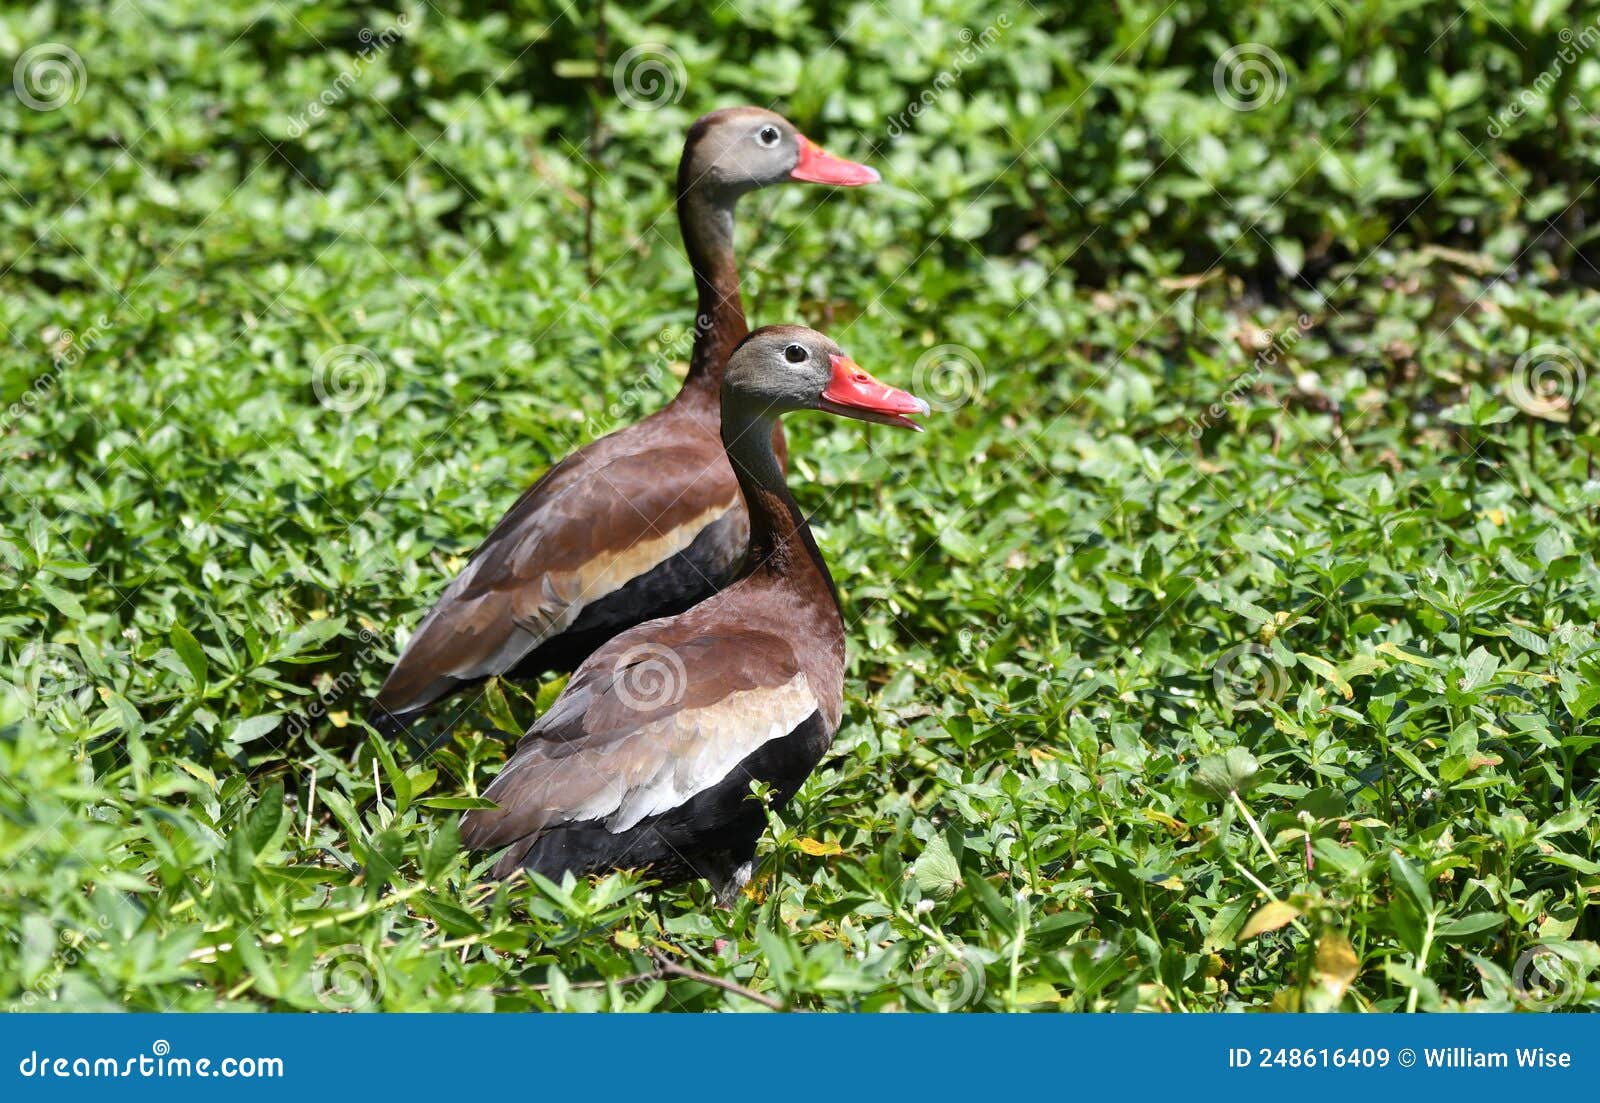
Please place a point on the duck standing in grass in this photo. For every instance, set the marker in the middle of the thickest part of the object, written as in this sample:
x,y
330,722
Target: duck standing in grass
x,y
646,521
646,759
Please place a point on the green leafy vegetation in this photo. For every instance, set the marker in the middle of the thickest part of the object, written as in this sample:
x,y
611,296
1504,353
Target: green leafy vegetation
x,y
1227,642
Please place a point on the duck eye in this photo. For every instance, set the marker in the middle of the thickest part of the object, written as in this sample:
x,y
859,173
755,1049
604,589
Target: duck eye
x,y
768,136
795,354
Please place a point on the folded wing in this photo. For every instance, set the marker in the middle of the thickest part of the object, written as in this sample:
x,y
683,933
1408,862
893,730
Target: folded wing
x,y
647,722
582,532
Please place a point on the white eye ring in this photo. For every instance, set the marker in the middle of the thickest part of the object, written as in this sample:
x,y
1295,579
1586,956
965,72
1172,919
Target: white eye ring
x,y
796,354
768,136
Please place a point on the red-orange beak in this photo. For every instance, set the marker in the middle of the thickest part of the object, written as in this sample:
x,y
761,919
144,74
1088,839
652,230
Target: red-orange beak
x,y
853,393
818,166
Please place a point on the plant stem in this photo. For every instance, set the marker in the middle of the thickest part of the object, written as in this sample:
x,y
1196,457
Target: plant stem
x,y
1421,962
1255,828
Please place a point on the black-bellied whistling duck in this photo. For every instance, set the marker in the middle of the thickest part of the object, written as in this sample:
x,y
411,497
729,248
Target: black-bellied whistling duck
x,y
639,524
646,759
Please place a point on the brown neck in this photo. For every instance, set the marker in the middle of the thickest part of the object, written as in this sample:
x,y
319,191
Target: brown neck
x,y
781,544
706,220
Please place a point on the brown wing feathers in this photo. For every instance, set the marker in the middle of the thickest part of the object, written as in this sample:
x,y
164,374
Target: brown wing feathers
x,y
580,534
649,721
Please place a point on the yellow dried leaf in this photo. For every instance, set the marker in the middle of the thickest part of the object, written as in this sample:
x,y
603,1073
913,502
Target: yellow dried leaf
x,y
1337,964
1271,916
819,849
339,719
1330,672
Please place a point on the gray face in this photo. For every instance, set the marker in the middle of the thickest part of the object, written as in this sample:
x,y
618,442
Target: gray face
x,y
780,369
745,149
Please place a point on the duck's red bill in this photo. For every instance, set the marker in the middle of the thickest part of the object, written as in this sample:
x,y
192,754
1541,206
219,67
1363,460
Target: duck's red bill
x,y
853,393
818,166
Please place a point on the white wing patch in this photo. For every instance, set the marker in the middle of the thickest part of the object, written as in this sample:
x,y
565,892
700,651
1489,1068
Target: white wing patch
x,y
684,754
707,744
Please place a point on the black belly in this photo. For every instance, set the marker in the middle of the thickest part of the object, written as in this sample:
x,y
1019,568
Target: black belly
x,y
708,835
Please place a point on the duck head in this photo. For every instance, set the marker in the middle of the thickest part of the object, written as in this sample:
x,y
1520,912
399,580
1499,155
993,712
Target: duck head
x,y
739,149
780,369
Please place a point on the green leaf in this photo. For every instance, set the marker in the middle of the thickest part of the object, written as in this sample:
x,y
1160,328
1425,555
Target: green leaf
x,y
1469,925
1414,764
495,704
64,602
188,649
1480,669
456,921
937,871
1406,876
246,731
1218,776
456,804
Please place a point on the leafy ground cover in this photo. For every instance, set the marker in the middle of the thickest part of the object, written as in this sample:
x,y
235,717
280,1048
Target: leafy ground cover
x,y
1228,641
